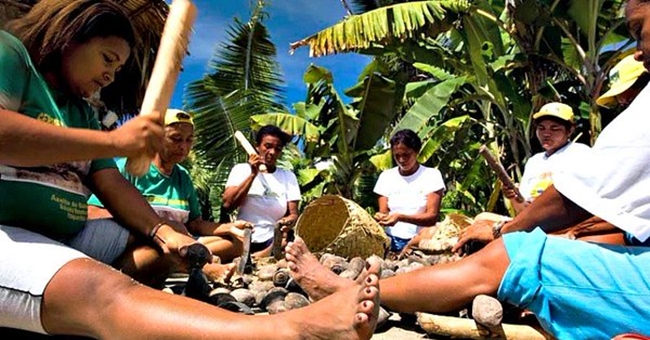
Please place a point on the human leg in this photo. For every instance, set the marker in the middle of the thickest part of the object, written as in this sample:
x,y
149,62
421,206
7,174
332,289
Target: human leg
x,y
439,288
90,299
226,248
578,290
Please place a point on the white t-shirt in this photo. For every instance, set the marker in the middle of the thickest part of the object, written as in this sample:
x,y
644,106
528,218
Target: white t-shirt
x,y
613,182
266,201
408,195
538,173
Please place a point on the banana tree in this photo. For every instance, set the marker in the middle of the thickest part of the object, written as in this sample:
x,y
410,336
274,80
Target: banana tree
x,y
338,138
244,78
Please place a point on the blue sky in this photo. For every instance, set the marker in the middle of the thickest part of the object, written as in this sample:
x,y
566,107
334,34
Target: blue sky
x,y
289,21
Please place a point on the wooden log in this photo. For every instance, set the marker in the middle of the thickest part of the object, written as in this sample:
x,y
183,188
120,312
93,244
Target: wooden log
x,y
172,50
501,173
469,329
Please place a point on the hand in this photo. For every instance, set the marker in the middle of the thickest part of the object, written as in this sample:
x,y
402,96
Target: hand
x,y
480,230
173,238
140,135
510,192
237,228
255,161
286,224
379,216
389,220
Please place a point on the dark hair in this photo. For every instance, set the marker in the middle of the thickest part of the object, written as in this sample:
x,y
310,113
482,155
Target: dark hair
x,y
272,130
52,25
567,124
408,137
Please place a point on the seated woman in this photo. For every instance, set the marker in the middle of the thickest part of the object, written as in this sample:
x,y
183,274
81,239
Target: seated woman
x,y
409,194
266,199
554,124
169,190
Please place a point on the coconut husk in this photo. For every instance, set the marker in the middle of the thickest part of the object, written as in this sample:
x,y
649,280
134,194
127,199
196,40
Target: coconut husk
x,y
333,224
446,234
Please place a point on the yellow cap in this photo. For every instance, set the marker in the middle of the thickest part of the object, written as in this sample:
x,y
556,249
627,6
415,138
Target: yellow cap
x,y
558,110
173,116
621,77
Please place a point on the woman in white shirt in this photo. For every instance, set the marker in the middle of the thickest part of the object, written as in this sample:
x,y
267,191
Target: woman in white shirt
x,y
409,194
554,125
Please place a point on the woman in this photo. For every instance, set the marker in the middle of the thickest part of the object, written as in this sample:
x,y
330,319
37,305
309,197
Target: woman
x,y
168,187
409,194
266,199
554,125
60,52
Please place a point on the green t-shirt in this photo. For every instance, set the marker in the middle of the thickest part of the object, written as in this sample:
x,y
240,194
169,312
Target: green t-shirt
x,y
50,200
172,197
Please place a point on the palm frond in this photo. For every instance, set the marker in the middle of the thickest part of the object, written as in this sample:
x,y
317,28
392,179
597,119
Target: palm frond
x,y
383,26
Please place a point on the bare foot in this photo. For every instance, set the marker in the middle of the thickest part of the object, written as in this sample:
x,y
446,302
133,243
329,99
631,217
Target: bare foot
x,y
313,277
219,272
350,313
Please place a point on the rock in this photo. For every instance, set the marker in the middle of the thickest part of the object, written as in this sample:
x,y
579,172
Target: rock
x,y
281,277
266,273
220,290
349,274
387,273
244,296
487,311
282,263
277,307
275,294
295,300
294,287
261,286
357,264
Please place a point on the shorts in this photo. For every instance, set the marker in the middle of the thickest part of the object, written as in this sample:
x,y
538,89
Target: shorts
x,y
102,239
28,261
397,243
577,289
255,247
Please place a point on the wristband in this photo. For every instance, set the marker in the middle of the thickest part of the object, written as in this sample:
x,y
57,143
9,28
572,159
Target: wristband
x,y
153,231
496,228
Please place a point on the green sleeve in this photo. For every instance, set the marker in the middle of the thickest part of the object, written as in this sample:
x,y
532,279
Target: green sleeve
x,y
13,61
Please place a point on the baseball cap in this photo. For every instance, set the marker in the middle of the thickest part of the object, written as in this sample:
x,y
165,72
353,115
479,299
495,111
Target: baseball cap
x,y
173,116
558,110
621,77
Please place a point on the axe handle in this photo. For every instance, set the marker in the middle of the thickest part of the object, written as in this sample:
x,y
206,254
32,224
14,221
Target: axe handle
x,y
173,47
501,173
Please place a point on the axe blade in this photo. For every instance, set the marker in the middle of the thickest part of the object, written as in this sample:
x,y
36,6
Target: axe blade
x,y
245,260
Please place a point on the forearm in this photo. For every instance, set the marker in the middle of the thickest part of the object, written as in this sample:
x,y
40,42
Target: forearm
x,y
28,142
206,228
233,197
425,219
551,210
124,201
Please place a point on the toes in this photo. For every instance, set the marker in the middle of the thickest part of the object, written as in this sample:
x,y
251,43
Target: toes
x,y
368,293
361,319
366,307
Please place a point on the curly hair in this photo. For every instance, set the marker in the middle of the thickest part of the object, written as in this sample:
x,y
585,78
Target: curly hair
x,y
52,25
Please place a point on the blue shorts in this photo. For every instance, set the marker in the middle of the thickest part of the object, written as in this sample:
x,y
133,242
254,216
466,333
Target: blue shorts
x,y
397,244
577,289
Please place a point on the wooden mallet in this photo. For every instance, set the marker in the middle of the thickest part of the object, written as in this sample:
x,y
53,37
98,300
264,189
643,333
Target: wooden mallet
x,y
172,50
250,150
500,171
